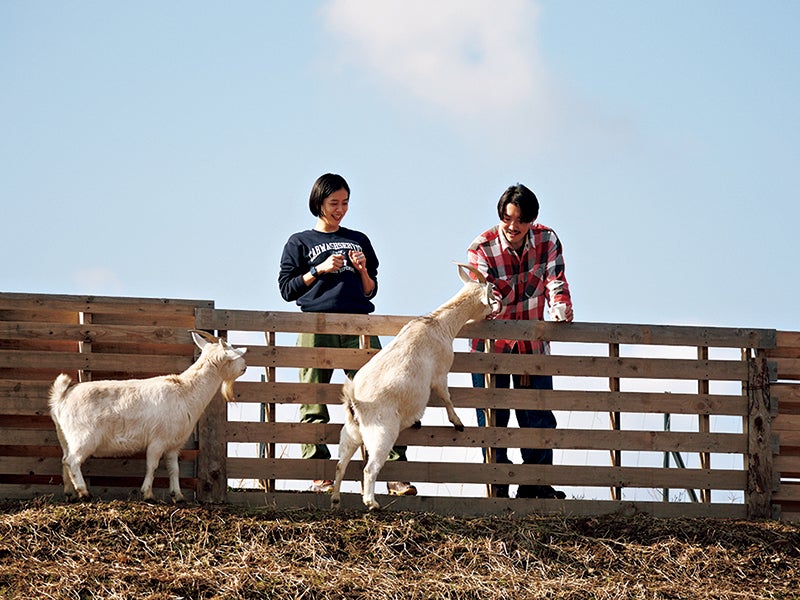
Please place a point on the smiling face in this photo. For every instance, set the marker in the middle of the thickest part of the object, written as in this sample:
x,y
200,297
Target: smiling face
x,y
332,210
514,229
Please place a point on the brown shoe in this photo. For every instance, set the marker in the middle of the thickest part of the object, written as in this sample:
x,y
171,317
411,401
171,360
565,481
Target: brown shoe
x,y
401,488
321,486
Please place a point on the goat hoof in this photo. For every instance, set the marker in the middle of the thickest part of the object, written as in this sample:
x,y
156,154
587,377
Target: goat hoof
x,y
417,425
459,426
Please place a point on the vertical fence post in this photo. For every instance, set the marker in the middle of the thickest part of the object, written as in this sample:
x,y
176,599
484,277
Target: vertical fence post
x,y
667,427
615,418
704,424
490,417
267,450
212,472
758,495
84,318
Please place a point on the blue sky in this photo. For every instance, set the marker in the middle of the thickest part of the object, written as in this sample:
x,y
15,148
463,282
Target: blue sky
x,y
167,149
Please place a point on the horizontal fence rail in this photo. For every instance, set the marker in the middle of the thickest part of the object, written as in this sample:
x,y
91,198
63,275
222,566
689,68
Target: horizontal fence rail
x,y
671,420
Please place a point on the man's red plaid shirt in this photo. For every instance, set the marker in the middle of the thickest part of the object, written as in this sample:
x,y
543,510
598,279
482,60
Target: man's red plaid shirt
x,y
523,280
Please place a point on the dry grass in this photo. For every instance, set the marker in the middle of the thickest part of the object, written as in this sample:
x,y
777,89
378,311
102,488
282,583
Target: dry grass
x,y
136,550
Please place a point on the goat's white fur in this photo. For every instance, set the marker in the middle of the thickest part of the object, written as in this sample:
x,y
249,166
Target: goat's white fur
x,y
156,415
390,392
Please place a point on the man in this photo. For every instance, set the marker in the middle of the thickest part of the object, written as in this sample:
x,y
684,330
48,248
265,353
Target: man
x,y
523,260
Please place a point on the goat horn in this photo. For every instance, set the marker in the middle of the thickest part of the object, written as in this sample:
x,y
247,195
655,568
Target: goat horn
x,y
206,335
480,276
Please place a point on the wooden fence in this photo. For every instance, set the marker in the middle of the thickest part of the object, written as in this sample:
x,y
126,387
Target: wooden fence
x,y
670,420
786,423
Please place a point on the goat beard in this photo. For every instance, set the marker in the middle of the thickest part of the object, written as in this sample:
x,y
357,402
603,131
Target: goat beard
x,y
227,390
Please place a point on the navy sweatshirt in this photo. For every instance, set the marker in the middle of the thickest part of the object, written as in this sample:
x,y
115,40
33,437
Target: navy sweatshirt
x,y
339,292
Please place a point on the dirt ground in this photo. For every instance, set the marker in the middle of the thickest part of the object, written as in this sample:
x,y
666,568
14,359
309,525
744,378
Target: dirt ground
x,y
128,550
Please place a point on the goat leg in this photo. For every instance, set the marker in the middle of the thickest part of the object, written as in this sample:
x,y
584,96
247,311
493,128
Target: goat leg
x,y
171,458
349,441
153,456
443,393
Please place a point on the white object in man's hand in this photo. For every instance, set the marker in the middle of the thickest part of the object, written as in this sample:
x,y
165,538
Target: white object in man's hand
x,y
558,311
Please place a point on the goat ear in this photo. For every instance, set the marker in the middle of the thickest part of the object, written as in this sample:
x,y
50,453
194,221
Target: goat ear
x,y
199,341
235,352
466,278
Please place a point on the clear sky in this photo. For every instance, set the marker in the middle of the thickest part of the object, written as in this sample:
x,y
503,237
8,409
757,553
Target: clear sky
x,y
167,149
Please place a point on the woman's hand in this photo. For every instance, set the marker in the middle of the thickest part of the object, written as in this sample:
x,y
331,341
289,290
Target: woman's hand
x,y
333,263
358,260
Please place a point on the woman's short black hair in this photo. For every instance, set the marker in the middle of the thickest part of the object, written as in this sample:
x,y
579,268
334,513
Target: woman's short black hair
x,y
324,186
522,198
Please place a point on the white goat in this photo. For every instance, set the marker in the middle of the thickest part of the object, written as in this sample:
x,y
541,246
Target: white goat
x,y
390,392
157,415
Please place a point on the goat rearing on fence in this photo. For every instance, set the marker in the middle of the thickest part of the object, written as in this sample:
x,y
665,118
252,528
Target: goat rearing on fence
x,y
391,391
157,415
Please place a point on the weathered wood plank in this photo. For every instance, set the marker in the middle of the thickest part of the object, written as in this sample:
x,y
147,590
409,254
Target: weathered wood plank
x,y
471,506
211,465
786,392
100,304
130,363
604,333
788,369
109,467
758,494
93,333
568,400
28,438
785,422
20,397
42,345
477,362
445,472
787,466
297,322
13,487
564,332
502,437
789,439
31,438
787,339
30,421
788,492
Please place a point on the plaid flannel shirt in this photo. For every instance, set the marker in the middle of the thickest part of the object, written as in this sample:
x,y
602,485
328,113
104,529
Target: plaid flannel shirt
x,y
523,280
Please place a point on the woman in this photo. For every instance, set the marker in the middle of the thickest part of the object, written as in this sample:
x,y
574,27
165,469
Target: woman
x,y
331,269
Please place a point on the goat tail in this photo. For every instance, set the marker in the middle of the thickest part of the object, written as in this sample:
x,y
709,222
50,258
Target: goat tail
x,y
58,391
349,401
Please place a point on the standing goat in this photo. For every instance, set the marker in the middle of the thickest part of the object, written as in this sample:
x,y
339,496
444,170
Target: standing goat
x,y
391,391
157,415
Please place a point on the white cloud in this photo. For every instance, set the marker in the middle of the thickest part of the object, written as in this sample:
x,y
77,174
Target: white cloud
x,y
478,67
467,57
